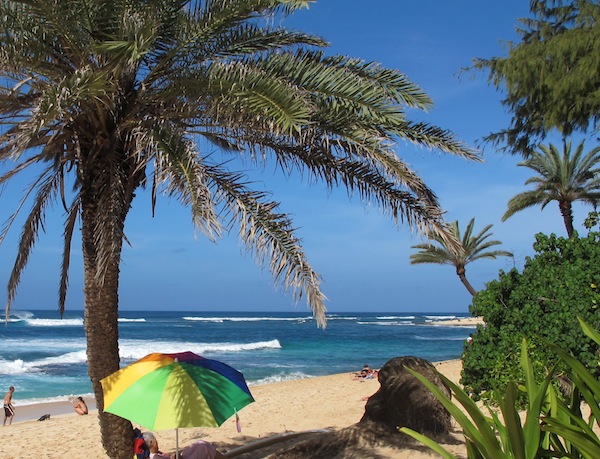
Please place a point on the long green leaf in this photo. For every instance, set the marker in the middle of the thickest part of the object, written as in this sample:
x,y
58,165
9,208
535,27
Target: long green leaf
x,y
530,383
589,331
587,446
585,381
536,396
531,429
501,431
481,434
428,442
513,422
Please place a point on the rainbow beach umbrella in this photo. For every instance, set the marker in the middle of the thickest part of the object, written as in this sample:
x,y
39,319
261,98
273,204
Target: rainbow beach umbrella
x,y
169,391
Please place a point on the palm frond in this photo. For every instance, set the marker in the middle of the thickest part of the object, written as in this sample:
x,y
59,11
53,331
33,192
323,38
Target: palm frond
x,y
49,183
72,216
269,235
186,178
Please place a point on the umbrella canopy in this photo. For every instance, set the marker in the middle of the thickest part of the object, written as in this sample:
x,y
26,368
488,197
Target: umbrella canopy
x,y
168,391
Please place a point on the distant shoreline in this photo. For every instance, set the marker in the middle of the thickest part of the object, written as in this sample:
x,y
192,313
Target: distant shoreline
x,y
464,322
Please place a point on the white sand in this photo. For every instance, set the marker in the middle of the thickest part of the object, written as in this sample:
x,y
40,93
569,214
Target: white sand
x,y
465,322
334,402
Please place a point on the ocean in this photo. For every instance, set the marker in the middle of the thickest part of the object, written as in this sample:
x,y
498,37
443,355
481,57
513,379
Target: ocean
x,y
44,356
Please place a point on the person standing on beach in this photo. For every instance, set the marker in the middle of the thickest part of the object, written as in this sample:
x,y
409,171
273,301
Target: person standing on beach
x,y
9,409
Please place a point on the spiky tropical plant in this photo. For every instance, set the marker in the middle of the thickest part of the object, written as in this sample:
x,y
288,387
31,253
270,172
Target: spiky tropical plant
x,y
563,177
469,249
112,96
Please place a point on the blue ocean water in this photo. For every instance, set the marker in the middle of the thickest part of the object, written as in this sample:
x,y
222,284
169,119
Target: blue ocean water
x,y
44,356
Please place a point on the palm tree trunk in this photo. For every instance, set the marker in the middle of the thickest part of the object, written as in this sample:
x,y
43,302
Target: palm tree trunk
x,y
566,210
101,328
460,270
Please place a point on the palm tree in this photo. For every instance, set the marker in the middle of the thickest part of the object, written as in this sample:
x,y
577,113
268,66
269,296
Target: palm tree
x,y
564,178
471,248
113,96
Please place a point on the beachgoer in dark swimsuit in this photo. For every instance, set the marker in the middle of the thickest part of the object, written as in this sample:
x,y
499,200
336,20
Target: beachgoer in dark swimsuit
x,y
9,410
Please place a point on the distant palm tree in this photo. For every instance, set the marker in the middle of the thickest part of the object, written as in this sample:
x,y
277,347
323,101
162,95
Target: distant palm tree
x,y
471,248
107,97
564,178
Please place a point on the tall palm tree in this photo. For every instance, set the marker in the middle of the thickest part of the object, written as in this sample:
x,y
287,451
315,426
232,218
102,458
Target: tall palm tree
x,y
563,177
113,96
471,248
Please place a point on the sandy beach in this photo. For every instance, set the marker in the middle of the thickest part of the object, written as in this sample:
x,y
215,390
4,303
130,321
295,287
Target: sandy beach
x,y
327,402
463,322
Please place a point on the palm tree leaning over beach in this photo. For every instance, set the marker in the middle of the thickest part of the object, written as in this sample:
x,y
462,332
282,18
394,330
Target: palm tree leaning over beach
x,y
110,97
471,248
562,177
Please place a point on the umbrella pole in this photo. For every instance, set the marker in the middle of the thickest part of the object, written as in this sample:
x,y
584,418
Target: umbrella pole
x,y
176,443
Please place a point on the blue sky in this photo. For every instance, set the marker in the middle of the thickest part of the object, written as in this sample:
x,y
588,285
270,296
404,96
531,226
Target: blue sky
x,y
362,256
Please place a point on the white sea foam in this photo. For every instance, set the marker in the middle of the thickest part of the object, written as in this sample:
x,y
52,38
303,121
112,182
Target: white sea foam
x,y
440,317
55,322
335,317
12,367
439,338
395,317
407,322
129,350
123,319
18,366
244,319
65,359
16,316
134,349
58,398
204,319
45,344
279,378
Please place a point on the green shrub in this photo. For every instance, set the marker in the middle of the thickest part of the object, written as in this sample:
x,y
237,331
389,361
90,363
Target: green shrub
x,y
541,303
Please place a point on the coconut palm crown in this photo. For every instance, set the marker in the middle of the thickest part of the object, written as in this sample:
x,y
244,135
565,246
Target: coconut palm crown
x,y
471,248
104,98
564,177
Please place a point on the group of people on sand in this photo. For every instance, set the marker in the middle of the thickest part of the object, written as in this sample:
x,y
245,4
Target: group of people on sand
x,y
148,448
366,373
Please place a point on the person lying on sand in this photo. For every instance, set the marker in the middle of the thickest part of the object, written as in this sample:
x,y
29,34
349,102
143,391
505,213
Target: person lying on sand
x,y
197,450
366,373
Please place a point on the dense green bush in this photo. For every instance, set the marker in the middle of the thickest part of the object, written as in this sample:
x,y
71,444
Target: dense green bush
x,y
541,304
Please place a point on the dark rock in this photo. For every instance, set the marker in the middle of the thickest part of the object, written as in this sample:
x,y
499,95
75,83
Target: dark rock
x,y
403,401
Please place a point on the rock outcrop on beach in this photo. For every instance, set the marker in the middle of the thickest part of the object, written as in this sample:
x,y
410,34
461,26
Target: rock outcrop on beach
x,y
401,401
